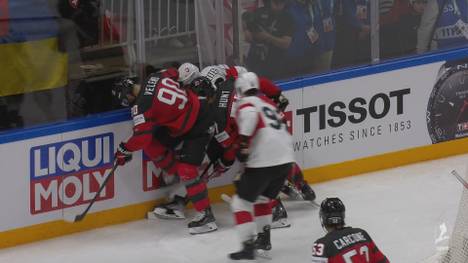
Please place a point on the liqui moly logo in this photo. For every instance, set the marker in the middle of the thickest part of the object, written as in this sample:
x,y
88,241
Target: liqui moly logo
x,y
69,173
151,175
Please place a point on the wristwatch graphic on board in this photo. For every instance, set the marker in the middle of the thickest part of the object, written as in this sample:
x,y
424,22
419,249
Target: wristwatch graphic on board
x,y
447,109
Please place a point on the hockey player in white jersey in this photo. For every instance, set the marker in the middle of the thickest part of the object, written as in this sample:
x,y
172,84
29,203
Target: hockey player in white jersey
x,y
265,148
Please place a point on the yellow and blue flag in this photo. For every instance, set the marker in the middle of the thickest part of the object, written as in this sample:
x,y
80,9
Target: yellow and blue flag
x,y
30,59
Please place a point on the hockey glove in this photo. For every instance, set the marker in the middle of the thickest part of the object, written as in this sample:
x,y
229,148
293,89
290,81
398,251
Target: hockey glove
x,y
122,156
220,168
282,102
243,152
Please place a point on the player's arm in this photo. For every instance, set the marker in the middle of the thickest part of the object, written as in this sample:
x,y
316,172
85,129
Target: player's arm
x,y
318,253
273,92
142,128
376,256
247,120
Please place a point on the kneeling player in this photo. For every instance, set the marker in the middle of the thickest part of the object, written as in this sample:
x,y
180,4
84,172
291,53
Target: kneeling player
x,y
341,243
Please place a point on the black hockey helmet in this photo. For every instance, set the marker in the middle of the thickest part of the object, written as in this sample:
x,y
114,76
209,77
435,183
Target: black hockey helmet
x,y
121,88
332,212
203,87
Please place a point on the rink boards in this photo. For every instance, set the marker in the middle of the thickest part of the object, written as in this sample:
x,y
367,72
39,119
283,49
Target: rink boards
x,y
342,124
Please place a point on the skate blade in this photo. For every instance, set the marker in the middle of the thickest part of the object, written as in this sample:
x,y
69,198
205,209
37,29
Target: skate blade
x,y
153,216
282,223
242,260
262,255
210,227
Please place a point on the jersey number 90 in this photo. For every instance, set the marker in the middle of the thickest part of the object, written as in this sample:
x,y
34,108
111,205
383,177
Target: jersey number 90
x,y
170,93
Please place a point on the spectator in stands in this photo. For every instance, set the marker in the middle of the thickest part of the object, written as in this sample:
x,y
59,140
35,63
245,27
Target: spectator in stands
x,y
314,36
300,42
443,25
269,30
408,27
325,23
391,12
353,33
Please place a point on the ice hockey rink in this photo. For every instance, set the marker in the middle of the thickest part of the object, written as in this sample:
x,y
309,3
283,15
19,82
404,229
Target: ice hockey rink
x,y
409,211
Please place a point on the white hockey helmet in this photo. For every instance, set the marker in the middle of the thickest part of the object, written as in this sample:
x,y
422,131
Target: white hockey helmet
x,y
188,72
240,70
215,74
245,82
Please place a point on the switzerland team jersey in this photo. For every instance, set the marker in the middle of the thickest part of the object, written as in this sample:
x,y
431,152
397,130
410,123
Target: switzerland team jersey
x,y
270,142
347,245
162,102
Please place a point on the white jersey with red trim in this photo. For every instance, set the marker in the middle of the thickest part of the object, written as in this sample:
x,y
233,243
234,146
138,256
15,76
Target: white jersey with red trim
x,y
270,142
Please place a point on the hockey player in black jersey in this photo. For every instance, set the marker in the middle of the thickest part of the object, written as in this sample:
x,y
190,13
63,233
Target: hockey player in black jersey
x,y
343,244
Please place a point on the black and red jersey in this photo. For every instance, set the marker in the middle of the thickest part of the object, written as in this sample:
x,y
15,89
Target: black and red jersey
x,y
347,245
162,102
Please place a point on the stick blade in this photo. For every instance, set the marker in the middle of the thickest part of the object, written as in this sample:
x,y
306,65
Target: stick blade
x,y
459,178
70,218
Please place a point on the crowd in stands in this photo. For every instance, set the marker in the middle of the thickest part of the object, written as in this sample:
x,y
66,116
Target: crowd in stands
x,y
291,38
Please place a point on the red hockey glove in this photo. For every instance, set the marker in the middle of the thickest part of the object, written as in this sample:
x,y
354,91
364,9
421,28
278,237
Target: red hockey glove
x,y
122,156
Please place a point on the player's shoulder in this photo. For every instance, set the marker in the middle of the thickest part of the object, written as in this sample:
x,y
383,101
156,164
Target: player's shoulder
x,y
248,101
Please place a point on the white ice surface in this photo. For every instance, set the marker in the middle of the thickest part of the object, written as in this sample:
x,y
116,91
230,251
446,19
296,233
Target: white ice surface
x,y
402,208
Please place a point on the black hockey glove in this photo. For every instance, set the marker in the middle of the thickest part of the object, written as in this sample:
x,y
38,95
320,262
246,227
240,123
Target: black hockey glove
x,y
122,156
282,102
221,167
243,152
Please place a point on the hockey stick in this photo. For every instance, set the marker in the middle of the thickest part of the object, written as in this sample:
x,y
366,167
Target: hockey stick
x,y
79,217
459,178
205,176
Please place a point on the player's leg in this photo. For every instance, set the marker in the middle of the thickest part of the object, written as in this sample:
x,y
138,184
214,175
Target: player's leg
x,y
161,152
249,186
191,157
296,180
277,176
280,215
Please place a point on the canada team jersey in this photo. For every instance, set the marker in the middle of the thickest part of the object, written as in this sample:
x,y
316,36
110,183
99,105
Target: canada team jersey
x,y
270,141
347,245
162,102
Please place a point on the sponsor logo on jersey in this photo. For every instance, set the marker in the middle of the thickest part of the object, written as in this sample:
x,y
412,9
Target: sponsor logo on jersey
x,y
138,119
69,173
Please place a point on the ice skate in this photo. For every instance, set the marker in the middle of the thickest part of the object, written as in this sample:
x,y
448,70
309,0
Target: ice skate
x,y
247,252
263,239
307,193
291,192
280,216
203,222
171,210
